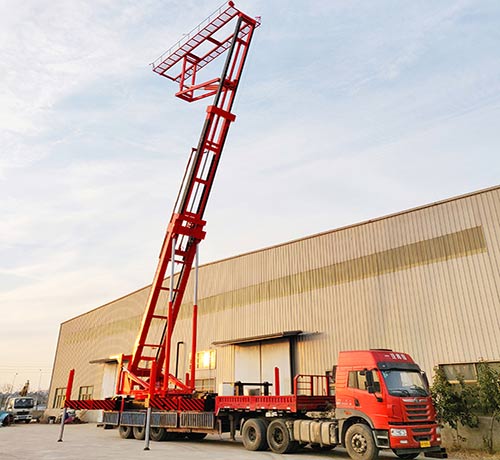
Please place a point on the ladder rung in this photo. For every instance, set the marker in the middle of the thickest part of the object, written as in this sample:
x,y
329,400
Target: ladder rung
x,y
201,181
164,288
151,345
160,317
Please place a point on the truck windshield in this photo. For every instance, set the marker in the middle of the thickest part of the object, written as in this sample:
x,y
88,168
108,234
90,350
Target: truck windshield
x,y
405,383
23,403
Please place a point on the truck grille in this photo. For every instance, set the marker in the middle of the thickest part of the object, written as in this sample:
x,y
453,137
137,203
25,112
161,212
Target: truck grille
x,y
422,434
418,412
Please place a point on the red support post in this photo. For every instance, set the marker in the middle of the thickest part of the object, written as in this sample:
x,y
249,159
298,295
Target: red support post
x,y
69,386
277,390
152,379
167,348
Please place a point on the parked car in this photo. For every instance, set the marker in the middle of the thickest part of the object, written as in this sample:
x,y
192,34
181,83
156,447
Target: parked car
x,y
5,418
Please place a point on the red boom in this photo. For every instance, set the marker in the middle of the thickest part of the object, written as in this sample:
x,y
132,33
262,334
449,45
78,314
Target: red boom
x,y
148,370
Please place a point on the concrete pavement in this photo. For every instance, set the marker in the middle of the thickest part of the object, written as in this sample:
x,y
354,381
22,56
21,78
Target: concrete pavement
x,y
89,442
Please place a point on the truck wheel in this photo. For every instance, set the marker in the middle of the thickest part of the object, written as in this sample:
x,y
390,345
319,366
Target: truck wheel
x,y
408,456
27,421
126,432
278,438
139,433
196,436
359,442
157,434
254,434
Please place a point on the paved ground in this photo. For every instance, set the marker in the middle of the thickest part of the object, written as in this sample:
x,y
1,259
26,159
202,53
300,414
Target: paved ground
x,y
89,442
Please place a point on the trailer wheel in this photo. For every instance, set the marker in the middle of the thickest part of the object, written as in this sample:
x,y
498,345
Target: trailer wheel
x,y
196,436
359,442
139,433
126,432
254,434
157,434
279,438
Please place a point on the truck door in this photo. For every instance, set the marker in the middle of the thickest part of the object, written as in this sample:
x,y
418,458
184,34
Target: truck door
x,y
362,400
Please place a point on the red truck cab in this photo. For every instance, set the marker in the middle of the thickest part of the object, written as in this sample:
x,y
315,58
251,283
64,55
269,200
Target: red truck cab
x,y
387,391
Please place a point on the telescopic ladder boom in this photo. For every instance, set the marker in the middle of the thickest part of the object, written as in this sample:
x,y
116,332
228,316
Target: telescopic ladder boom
x,y
227,30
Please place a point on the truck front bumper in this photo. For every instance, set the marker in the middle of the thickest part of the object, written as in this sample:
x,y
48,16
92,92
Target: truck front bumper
x,y
413,439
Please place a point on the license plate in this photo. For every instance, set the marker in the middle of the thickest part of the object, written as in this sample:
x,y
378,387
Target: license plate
x,y
425,444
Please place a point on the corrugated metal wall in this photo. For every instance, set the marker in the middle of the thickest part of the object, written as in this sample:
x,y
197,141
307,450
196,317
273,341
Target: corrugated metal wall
x,y
425,281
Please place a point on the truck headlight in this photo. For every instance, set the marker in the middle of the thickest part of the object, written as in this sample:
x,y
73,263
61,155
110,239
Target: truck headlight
x,y
398,432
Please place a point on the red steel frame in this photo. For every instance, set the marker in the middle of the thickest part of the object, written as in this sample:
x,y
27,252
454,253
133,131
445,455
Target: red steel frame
x,y
146,373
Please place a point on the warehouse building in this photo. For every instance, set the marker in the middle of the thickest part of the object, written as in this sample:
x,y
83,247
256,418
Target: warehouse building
x,y
425,281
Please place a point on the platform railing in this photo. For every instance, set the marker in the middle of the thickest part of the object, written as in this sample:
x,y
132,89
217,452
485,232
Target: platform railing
x,y
186,37
312,385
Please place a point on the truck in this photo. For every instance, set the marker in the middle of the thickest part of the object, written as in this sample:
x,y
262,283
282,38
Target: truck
x,y
375,399
20,408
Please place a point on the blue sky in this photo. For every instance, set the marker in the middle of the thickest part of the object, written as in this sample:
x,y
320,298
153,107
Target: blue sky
x,y
348,110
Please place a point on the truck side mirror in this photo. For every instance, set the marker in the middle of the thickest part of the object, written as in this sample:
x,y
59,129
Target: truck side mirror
x,y
370,384
426,380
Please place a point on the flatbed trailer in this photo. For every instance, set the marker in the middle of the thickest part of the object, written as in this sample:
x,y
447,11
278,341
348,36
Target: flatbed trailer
x,y
195,416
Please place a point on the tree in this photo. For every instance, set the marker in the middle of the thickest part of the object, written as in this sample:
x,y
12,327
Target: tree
x,y
4,394
455,404
488,380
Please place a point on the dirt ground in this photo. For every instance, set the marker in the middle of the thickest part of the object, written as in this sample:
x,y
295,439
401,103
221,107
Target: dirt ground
x,y
473,455
89,442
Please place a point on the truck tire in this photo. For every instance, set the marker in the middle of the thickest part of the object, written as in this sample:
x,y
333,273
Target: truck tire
x,y
157,434
139,433
254,434
278,438
359,443
126,432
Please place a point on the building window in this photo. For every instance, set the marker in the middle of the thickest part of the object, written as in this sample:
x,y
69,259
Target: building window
x,y
466,371
205,359
205,385
59,397
86,392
